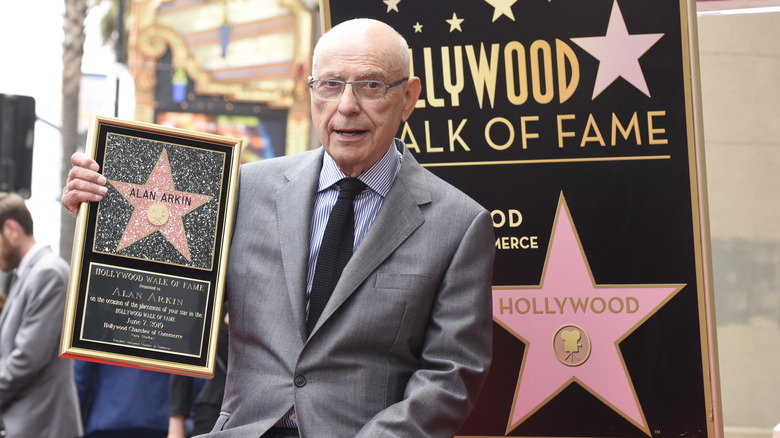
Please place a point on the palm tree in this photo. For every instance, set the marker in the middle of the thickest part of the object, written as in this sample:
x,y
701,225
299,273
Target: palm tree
x,y
72,54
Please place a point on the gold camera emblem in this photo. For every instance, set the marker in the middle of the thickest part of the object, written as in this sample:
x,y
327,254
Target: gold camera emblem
x,y
157,214
571,345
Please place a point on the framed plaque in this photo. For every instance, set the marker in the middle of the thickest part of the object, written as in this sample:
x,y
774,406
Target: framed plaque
x,y
148,263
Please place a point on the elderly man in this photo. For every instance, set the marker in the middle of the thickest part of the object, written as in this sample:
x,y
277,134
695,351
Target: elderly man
x,y
399,343
37,393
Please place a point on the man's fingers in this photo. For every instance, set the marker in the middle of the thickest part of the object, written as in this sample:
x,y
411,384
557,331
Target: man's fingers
x,y
83,188
80,159
87,175
84,183
78,191
85,168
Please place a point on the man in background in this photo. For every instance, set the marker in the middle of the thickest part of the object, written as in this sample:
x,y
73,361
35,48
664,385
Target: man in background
x,y
37,394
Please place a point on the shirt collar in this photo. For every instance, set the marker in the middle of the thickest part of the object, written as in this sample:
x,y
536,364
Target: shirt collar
x,y
27,259
378,177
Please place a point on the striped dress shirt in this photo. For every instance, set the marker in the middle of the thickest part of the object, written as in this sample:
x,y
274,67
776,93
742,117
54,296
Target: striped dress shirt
x,y
378,179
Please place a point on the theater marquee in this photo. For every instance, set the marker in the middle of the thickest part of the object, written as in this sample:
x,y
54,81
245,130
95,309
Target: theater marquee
x,y
576,123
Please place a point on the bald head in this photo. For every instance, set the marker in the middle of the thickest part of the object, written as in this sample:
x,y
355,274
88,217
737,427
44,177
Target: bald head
x,y
354,130
360,33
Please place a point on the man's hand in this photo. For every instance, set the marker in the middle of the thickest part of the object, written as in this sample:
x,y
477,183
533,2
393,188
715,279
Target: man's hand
x,y
176,428
84,183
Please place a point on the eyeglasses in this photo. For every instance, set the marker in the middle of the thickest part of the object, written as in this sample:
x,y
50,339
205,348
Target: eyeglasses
x,y
331,89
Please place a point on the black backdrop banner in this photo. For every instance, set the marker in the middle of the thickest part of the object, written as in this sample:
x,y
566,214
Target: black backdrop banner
x,y
576,124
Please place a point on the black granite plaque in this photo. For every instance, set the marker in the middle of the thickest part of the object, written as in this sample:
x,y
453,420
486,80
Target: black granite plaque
x,y
145,310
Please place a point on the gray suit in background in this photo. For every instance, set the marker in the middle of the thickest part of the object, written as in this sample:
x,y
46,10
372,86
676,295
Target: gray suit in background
x,y
404,344
37,392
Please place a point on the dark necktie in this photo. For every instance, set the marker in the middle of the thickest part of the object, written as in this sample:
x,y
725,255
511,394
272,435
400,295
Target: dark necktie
x,y
335,249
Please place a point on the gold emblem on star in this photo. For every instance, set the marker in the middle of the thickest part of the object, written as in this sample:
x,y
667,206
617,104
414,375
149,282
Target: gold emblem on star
x,y
571,345
157,214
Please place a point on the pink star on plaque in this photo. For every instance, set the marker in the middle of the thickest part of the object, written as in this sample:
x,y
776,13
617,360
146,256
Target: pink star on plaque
x,y
158,206
573,327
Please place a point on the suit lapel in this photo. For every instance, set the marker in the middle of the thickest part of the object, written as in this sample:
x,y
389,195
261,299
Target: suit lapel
x,y
294,202
16,288
398,217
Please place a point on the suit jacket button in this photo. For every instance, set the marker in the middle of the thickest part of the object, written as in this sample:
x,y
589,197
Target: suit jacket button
x,y
300,381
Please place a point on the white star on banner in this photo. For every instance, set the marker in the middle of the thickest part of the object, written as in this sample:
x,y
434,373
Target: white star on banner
x,y
392,5
455,22
618,53
502,7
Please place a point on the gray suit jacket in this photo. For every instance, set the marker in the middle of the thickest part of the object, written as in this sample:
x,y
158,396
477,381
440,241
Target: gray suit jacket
x,y
404,344
37,391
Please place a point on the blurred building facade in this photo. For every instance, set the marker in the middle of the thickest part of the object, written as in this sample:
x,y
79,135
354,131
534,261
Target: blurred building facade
x,y
231,67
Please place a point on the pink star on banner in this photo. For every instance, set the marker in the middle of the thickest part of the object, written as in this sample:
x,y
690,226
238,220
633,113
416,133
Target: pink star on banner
x,y
158,206
573,327
618,53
